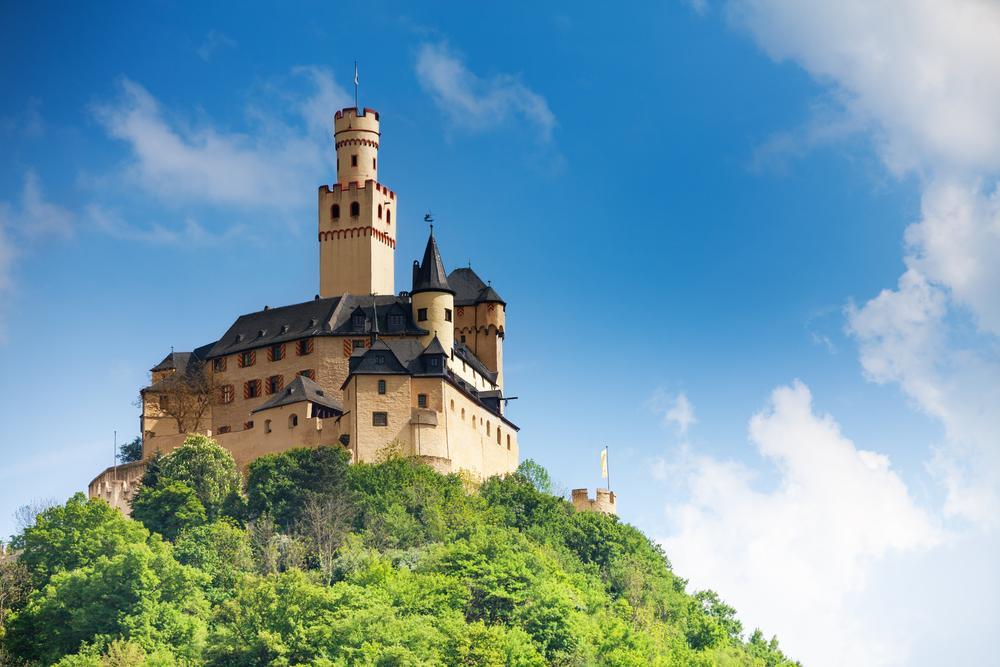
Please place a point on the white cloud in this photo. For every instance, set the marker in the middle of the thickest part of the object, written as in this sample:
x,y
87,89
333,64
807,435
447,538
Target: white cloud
x,y
476,103
191,232
676,410
264,168
794,557
214,41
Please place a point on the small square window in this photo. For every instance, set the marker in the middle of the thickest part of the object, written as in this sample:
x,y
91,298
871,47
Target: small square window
x,y
247,358
251,389
381,386
395,320
274,384
447,314
219,364
380,419
277,352
358,343
304,347
421,314
422,400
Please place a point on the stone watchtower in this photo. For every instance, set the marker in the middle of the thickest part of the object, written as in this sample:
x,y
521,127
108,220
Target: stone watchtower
x,y
433,298
357,215
604,502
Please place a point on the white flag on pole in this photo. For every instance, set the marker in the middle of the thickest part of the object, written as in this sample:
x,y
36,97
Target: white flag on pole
x,y
604,463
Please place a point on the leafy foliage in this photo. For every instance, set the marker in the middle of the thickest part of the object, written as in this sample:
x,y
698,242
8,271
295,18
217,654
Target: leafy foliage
x,y
367,564
130,451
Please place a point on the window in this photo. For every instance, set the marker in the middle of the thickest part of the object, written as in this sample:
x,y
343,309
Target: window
x,y
354,160
251,389
396,320
487,427
247,425
463,338
267,426
164,402
309,373
380,211
355,209
304,347
421,314
379,359
453,405
358,343
421,400
508,441
381,386
498,435
223,429
274,384
247,358
358,321
463,414
335,211
219,364
226,393
447,314
435,362
388,216
374,163
293,421
276,352
380,419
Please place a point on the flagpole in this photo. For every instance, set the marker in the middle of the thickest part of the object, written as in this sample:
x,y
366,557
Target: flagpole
x,y
356,85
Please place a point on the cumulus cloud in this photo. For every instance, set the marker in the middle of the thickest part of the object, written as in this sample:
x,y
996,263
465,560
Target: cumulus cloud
x,y
676,410
922,76
792,554
476,103
202,164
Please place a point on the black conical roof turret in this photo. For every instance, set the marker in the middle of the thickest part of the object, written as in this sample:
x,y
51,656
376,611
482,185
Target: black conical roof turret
x,y
430,275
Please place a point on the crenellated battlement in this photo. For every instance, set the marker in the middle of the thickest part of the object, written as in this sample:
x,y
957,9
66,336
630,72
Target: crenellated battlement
x,y
348,112
604,502
352,186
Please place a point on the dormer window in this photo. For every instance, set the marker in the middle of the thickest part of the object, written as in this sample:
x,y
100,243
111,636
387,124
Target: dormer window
x,y
380,359
435,362
396,320
358,321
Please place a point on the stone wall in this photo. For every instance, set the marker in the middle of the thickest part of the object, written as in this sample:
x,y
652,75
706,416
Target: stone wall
x,y
604,502
117,485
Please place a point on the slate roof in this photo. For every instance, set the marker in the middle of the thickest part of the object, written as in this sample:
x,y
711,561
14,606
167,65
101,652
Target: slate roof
x,y
183,362
302,389
331,316
464,353
429,275
470,288
398,357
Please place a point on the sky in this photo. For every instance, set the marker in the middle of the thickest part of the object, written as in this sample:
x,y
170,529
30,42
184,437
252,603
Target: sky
x,y
752,246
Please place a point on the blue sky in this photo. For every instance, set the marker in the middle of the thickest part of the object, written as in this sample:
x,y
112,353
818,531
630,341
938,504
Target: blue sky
x,y
749,246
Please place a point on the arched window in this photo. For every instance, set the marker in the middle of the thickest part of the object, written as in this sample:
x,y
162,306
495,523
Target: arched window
x,y
374,164
487,427
335,211
498,435
452,405
355,209
388,216
380,211
293,421
508,442
463,414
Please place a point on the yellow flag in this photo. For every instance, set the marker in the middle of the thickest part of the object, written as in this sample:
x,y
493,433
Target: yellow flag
x,y
604,463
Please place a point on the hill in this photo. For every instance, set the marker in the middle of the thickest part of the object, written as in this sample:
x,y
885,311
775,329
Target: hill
x,y
311,561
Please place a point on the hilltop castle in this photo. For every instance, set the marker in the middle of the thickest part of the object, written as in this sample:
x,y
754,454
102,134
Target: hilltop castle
x,y
360,366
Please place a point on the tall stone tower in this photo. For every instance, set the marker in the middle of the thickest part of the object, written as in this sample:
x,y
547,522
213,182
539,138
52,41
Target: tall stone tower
x,y
357,215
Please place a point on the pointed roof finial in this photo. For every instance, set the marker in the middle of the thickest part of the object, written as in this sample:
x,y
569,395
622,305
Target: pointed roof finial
x,y
430,275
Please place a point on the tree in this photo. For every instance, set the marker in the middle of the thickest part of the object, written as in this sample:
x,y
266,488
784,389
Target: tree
x,y
185,395
25,515
130,451
66,537
204,466
280,484
168,509
219,549
15,584
536,475
324,522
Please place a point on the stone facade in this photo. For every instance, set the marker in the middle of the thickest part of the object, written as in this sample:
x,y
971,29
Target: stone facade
x,y
604,502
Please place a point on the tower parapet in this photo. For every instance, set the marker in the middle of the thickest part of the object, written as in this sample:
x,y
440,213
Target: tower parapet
x,y
356,138
605,501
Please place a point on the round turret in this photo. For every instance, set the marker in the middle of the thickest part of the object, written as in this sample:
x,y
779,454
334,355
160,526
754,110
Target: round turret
x,y
356,138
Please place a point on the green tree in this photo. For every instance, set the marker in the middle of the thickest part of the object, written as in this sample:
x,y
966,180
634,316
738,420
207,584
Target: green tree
x,y
130,451
70,536
219,549
168,509
280,484
536,475
139,593
205,467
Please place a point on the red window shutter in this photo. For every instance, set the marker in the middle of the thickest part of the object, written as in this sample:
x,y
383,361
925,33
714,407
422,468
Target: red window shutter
x,y
253,357
347,347
282,350
246,390
270,354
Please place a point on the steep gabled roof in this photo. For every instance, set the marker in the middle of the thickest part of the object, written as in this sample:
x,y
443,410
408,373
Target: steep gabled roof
x,y
470,288
430,276
303,389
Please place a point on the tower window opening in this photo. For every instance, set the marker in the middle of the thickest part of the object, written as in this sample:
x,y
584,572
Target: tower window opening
x,y
421,314
388,216
508,442
421,400
355,209
498,435
267,426
293,421
380,419
374,163
447,314
463,414
380,211
335,211
354,160
381,386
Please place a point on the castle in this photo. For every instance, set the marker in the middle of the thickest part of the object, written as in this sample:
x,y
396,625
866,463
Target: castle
x,y
417,373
